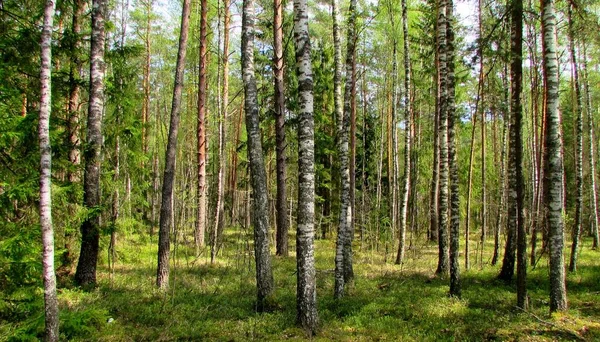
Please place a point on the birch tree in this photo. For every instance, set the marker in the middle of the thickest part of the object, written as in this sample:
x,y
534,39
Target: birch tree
x,y
516,186
90,228
260,208
306,297
278,67
442,268
553,168
577,111
50,299
166,210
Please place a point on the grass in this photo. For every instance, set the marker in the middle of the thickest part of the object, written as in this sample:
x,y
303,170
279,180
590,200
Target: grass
x,y
385,303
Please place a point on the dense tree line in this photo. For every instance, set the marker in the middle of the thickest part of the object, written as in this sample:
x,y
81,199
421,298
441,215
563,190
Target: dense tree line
x,y
170,120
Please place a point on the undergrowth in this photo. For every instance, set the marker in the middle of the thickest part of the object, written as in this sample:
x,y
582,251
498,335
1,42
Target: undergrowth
x,y
386,302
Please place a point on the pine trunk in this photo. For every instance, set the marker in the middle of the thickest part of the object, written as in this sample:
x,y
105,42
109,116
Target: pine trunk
x,y
200,229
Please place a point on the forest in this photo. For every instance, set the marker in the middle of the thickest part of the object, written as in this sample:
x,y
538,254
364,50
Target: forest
x,y
347,170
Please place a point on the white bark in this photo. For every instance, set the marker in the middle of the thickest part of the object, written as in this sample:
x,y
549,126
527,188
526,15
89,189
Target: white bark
x,y
50,299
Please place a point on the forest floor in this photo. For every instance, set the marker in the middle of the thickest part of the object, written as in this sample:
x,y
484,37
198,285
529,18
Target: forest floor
x,y
385,303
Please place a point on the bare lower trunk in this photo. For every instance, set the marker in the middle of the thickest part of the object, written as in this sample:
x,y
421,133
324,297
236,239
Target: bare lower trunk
x,y
592,158
90,228
278,60
455,286
166,210
442,268
200,229
553,173
516,190
577,110
406,177
306,296
260,214
50,299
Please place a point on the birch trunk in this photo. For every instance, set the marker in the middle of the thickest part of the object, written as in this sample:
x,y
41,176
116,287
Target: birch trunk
x,y
166,210
442,268
406,178
306,275
516,190
278,63
90,228
342,137
577,111
50,298
455,287
219,219
553,173
592,158
260,203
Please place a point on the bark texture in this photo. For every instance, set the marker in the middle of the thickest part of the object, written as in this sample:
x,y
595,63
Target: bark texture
x,y
553,167
199,232
455,288
306,295
50,299
516,190
90,230
260,208
166,209
443,262
278,60
577,111
405,183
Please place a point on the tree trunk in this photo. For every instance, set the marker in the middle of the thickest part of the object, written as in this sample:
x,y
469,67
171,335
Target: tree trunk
x,y
278,67
166,210
260,208
306,275
517,186
442,268
342,141
90,228
435,179
592,158
200,228
483,134
219,219
577,111
73,126
50,299
553,173
470,180
405,188
455,288
501,205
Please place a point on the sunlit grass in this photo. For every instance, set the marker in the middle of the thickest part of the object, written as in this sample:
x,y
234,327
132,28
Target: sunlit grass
x,y
385,302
